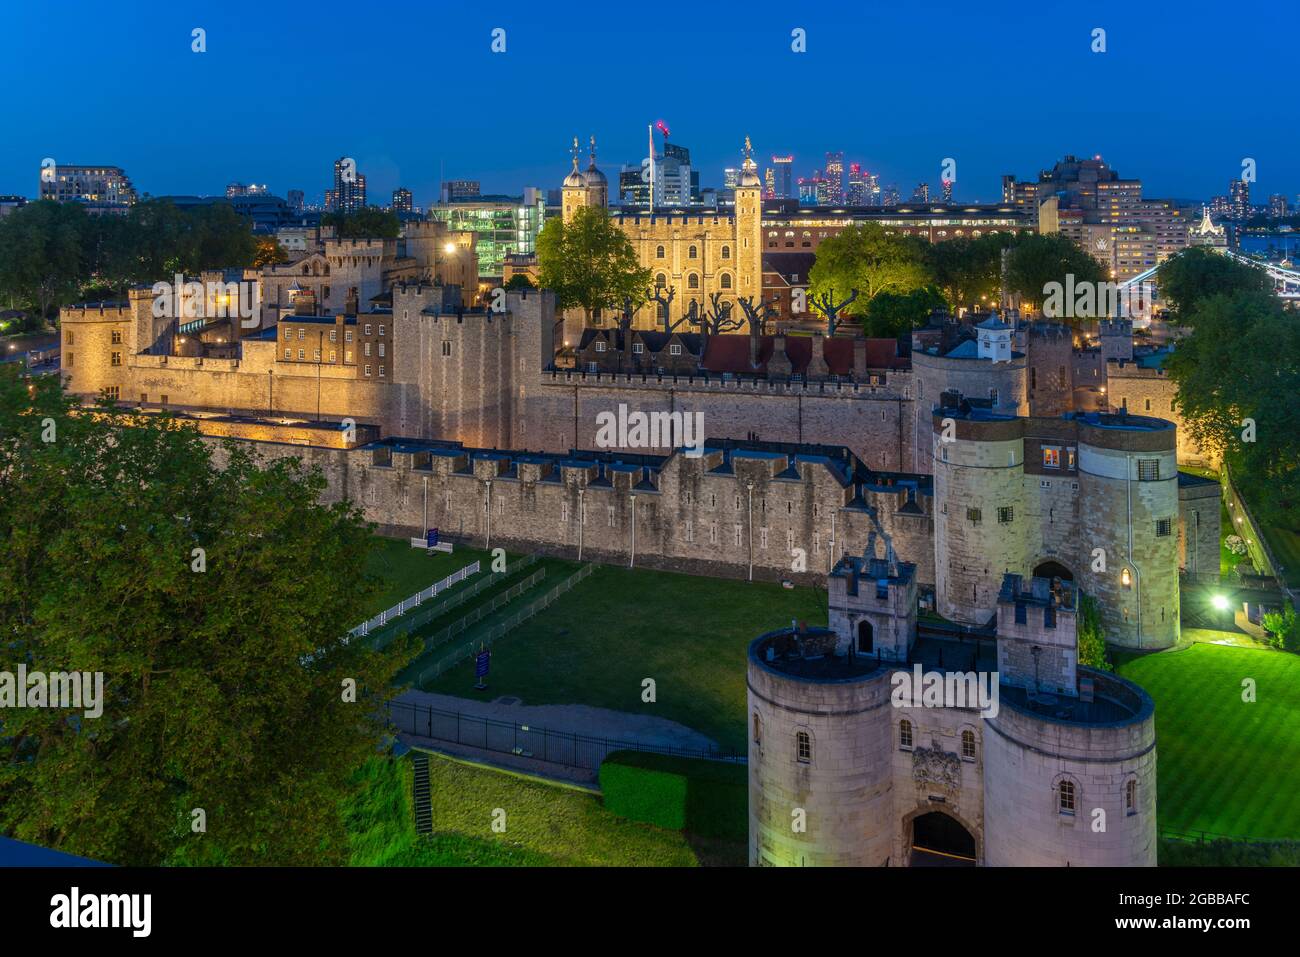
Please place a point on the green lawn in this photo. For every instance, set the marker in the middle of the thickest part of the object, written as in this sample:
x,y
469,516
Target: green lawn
x,y
545,824
1225,766
598,643
406,570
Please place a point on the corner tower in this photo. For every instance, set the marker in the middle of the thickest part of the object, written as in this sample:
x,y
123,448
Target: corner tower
x,y
749,227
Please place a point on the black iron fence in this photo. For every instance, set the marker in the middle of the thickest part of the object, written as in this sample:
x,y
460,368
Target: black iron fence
x,y
528,741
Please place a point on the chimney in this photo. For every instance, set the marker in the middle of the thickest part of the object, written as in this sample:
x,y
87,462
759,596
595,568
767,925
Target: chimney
x,y
779,364
817,367
860,360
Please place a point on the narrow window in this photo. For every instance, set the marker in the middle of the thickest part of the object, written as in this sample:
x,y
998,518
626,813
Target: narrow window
x,y
804,744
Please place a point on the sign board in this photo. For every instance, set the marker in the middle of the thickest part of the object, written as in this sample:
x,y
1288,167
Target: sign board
x,y
431,537
481,663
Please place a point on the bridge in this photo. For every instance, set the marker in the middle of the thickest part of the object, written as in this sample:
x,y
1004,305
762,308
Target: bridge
x,y
1286,282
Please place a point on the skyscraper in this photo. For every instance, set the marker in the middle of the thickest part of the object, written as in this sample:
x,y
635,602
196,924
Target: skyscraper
x,y
947,190
769,183
349,193
402,200
784,166
857,194
835,178
1239,198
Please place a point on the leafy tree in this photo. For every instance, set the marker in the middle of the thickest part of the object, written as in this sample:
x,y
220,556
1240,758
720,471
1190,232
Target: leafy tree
x,y
223,688
867,258
590,263
968,271
1038,260
41,254
519,281
1197,273
890,315
1238,378
1091,638
269,252
368,223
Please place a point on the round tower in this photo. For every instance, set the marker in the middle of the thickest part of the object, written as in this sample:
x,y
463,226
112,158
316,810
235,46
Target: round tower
x,y
980,524
1071,782
1128,548
820,754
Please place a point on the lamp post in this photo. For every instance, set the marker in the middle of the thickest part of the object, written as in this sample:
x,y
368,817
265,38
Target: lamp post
x,y
581,516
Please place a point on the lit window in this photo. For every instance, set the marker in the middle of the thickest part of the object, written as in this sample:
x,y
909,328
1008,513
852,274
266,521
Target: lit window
x,y
1051,457
600,346
675,349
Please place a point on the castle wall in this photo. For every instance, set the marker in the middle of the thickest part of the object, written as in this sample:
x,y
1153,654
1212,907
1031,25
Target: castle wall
x,y
1050,370
1152,392
1200,517
972,378
932,775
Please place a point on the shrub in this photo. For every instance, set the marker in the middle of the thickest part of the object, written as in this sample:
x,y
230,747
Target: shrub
x,y
1235,544
709,798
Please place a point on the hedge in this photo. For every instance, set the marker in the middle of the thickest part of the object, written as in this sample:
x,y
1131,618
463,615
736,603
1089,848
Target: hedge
x,y
709,798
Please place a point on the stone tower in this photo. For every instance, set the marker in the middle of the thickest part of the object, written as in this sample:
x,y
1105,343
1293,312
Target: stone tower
x,y
749,228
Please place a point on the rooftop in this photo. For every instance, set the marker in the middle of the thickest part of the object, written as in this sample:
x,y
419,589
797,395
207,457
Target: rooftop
x,y
809,653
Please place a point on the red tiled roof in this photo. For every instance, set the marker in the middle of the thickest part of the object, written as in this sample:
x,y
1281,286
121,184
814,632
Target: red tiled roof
x,y
730,353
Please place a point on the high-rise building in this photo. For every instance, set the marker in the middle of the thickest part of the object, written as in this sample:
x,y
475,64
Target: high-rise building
x,y
675,183
947,190
1239,197
890,197
295,198
402,201
857,193
99,188
784,166
809,189
460,191
921,194
835,178
769,183
730,176
1277,205
349,193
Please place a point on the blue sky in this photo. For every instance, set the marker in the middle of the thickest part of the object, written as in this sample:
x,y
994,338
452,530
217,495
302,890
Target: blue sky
x,y
1183,93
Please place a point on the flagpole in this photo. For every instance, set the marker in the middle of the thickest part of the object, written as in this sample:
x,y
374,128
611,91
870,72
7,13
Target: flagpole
x,y
650,136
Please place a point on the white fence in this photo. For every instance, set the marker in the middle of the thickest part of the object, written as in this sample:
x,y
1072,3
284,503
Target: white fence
x,y
406,604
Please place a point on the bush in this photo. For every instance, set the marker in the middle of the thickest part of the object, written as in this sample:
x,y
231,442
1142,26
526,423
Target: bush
x,y
1226,853
708,798
1235,544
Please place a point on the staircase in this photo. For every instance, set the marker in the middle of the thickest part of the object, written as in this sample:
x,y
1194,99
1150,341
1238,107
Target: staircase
x,y
420,789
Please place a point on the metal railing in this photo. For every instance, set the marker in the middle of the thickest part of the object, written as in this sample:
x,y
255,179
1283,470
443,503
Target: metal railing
x,y
501,629
430,613
567,748
406,604
1206,837
462,625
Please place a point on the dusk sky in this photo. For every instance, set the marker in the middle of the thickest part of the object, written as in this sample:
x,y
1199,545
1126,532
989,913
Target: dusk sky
x,y
1183,94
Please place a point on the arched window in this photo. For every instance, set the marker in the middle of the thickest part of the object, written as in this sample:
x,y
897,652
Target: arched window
x,y
327,269
1066,796
1131,796
659,252
758,729
661,280
968,745
692,253
905,735
692,281
726,252
726,280
803,746
306,270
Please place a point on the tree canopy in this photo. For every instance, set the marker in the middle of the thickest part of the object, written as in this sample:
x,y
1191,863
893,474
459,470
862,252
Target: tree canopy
x,y
1197,273
590,263
368,223
890,315
224,671
867,258
1038,260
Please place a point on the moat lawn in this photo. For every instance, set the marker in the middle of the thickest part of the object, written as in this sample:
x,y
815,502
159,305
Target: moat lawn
x,y
406,570
1225,766
545,825
597,644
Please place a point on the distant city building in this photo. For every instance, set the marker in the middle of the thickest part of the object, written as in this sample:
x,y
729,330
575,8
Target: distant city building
x,y
1206,233
730,176
769,183
402,200
947,190
633,186
834,177
503,226
1105,214
1277,206
349,192
922,193
858,193
295,199
251,189
673,176
810,188
784,166
890,197
1239,197
99,188
460,191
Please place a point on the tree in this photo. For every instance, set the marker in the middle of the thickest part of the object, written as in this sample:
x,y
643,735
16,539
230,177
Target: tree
x,y
891,315
368,223
1090,636
716,318
663,300
1238,379
41,254
1197,273
224,671
830,309
1039,260
1283,628
866,258
519,281
589,262
269,253
968,271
